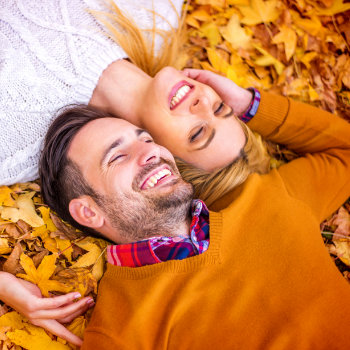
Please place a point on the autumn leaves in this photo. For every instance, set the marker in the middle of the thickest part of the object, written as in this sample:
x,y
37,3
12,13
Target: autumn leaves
x,y
299,49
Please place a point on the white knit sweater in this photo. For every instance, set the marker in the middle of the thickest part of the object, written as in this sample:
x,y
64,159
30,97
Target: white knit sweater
x,y
52,53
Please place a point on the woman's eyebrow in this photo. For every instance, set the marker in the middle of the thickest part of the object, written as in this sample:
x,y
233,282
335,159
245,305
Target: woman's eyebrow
x,y
230,113
206,144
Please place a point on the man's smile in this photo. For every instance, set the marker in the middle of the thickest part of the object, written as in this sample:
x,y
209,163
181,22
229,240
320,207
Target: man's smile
x,y
160,176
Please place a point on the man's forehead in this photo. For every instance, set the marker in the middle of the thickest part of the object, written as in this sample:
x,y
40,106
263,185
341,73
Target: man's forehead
x,y
93,136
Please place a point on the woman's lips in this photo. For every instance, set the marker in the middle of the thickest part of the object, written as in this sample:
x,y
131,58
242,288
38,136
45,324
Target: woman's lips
x,y
179,93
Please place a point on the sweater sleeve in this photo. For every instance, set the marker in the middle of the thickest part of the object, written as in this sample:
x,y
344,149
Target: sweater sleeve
x,y
320,176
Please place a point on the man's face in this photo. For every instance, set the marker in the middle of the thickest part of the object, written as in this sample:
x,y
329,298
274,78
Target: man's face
x,y
140,190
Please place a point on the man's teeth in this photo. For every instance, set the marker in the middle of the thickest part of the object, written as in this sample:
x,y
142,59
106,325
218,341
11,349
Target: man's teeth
x,y
179,95
152,181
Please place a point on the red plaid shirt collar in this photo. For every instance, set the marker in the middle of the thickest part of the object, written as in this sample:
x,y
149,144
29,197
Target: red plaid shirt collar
x,y
161,248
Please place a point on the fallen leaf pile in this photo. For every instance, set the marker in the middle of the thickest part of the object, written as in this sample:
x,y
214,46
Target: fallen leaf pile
x,y
37,246
296,48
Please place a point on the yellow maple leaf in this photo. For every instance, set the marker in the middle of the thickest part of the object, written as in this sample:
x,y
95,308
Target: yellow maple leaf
x,y
4,246
12,319
312,26
78,326
288,37
308,57
268,60
211,31
260,11
337,6
45,213
35,338
5,196
26,211
201,15
40,276
235,34
191,21
217,61
93,257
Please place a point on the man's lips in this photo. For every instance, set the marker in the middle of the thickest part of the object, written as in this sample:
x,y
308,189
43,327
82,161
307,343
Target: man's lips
x,y
179,93
159,176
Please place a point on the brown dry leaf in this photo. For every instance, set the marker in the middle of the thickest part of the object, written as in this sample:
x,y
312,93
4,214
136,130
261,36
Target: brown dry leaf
x,y
342,221
78,279
12,264
69,231
341,249
40,276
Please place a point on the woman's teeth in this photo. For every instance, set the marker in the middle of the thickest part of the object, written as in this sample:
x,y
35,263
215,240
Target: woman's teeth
x,y
179,95
152,181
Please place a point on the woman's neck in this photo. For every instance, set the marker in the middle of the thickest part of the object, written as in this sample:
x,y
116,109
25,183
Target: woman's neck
x,y
120,91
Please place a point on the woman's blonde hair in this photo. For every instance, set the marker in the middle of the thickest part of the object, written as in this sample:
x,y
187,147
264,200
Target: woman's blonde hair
x,y
210,186
140,49
140,45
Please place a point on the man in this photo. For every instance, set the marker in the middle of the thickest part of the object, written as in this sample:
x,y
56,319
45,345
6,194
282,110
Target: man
x,y
260,278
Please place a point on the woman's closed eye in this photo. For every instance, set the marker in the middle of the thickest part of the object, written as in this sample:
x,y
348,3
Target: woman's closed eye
x,y
197,134
220,108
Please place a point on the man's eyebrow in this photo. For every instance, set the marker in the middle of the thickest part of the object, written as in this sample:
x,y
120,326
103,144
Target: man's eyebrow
x,y
118,142
206,144
113,145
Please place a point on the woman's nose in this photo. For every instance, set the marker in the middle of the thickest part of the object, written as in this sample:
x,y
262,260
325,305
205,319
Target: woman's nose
x,y
148,153
200,105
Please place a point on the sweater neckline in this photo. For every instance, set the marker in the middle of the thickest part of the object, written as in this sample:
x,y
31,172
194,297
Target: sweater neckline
x,y
210,257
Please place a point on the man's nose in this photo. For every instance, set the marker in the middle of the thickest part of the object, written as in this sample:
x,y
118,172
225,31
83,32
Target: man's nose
x,y
201,106
149,153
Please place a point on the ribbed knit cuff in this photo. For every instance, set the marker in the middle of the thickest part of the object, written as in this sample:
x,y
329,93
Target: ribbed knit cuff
x,y
253,107
271,113
92,71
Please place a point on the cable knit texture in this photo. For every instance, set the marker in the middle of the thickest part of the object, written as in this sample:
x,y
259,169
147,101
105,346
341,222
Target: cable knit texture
x,y
52,53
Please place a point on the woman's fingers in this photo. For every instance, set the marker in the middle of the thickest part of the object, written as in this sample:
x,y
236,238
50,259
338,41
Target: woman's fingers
x,y
55,302
72,316
63,311
56,328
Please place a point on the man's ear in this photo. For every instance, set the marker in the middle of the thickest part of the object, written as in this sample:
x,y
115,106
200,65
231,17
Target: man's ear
x,y
85,212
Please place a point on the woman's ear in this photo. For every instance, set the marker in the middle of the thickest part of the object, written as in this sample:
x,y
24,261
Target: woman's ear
x,y
85,212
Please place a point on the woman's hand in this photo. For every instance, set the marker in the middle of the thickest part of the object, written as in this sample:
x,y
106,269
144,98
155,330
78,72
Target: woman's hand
x,y
47,313
233,95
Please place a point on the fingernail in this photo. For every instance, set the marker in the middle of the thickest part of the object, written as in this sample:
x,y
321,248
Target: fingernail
x,y
90,302
77,295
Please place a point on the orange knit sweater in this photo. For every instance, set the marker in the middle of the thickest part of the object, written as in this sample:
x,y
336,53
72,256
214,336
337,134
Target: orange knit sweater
x,y
266,281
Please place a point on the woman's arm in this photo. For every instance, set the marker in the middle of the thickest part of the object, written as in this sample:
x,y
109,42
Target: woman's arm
x,y
321,176
47,313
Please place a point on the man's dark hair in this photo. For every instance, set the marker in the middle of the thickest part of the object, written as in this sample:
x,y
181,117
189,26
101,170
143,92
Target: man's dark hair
x,y
61,179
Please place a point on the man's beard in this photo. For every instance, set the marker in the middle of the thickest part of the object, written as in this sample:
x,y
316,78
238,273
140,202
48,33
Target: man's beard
x,y
143,214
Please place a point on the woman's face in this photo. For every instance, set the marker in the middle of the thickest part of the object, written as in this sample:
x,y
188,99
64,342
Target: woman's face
x,y
191,120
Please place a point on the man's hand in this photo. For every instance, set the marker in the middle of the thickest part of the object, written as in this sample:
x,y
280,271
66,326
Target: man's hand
x,y
47,313
233,95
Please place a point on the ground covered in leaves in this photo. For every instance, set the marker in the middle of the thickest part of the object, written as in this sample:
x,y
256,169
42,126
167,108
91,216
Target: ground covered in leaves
x,y
296,48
